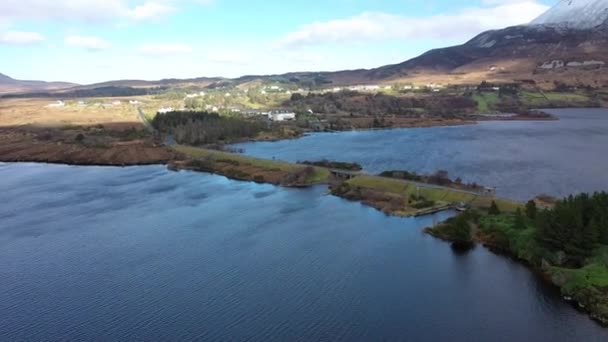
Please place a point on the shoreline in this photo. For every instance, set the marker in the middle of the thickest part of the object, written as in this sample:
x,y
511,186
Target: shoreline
x,y
547,272
417,123
391,196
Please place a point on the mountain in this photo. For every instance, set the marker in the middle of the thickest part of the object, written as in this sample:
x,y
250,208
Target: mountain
x,y
11,85
568,43
576,14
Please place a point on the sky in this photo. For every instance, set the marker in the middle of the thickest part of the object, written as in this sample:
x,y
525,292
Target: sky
x,y
89,41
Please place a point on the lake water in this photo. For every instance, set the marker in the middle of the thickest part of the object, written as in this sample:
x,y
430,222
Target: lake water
x,y
126,254
522,159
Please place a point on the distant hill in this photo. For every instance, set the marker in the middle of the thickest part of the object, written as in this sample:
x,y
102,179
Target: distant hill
x,y
567,44
200,81
11,85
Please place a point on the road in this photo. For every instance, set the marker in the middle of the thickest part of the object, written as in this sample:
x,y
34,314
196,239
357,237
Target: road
x,y
144,120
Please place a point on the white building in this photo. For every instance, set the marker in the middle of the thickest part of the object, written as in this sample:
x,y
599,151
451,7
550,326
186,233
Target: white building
x,y
165,110
286,116
57,104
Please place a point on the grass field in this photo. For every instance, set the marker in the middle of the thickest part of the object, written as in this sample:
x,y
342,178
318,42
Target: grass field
x,y
40,112
485,101
439,195
537,99
250,167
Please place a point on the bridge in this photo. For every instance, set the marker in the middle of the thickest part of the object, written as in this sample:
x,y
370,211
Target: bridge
x,y
344,174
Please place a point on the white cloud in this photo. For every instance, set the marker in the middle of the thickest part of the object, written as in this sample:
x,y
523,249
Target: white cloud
x,y
373,26
87,10
20,37
164,49
150,10
90,43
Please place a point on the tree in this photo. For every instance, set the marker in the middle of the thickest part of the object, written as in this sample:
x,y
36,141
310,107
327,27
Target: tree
x,y
461,236
440,177
519,220
531,209
494,209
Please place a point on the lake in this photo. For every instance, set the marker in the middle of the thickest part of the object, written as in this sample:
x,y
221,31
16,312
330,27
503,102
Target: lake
x,y
142,253
522,159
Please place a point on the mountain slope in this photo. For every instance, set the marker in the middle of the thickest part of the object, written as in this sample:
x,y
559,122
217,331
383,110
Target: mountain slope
x,y
575,14
11,85
569,43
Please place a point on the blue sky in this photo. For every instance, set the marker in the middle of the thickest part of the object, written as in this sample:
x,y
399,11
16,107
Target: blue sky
x,y
88,41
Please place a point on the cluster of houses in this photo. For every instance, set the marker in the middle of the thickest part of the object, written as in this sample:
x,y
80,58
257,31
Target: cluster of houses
x,y
558,64
374,88
276,116
195,95
281,116
83,103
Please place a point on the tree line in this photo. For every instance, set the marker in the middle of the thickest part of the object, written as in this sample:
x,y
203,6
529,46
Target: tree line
x,y
352,102
201,128
576,225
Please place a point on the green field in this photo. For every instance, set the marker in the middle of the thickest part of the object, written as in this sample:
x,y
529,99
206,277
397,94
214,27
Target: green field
x,y
430,192
485,101
320,175
538,99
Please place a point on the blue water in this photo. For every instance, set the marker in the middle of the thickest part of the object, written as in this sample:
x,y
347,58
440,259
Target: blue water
x,y
522,159
126,254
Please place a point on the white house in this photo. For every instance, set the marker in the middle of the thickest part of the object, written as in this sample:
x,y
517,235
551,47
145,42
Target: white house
x,y
371,87
165,110
57,104
286,116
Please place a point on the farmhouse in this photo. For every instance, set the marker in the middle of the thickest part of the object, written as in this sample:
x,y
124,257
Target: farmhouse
x,y
281,116
165,110
57,104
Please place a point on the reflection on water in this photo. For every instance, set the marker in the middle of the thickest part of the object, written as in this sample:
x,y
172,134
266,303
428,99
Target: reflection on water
x,y
146,254
523,159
